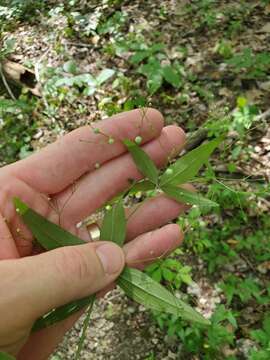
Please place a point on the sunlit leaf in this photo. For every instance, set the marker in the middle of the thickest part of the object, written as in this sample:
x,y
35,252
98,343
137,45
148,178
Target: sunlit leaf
x,y
104,75
143,162
49,235
187,167
154,82
187,197
114,224
70,67
146,291
171,76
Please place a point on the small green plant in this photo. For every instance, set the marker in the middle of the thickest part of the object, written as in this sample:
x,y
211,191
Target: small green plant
x,y
224,49
250,65
154,70
137,285
243,116
17,10
86,82
171,271
65,84
17,126
262,337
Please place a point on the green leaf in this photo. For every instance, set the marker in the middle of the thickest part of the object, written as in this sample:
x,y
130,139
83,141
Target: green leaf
x,y
187,197
153,71
5,356
85,326
78,80
154,82
89,91
187,167
114,224
167,274
146,291
157,275
104,75
62,313
139,56
144,185
158,47
49,235
143,162
70,67
171,76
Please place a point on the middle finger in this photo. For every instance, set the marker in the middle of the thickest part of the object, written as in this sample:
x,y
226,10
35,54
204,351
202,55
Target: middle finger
x,y
94,189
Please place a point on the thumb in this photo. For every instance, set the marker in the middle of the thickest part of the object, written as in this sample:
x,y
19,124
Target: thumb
x,y
60,276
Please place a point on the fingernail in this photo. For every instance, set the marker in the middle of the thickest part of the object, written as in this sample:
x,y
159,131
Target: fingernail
x,y
111,257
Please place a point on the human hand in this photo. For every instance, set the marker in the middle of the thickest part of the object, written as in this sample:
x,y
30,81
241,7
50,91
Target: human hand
x,y
33,283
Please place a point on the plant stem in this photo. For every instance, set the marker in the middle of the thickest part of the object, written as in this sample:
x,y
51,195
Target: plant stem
x,y
85,326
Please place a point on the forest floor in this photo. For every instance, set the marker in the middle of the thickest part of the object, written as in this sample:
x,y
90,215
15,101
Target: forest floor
x,y
218,53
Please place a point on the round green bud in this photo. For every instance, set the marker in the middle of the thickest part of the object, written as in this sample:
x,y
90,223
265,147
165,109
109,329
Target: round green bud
x,y
111,141
169,171
108,207
96,130
138,140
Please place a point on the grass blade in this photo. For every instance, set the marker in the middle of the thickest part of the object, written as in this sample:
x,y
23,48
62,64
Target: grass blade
x,y
114,224
187,167
85,326
187,197
143,162
61,313
49,235
143,289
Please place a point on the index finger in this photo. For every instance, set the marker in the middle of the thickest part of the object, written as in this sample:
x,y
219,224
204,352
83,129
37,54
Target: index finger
x,y
60,164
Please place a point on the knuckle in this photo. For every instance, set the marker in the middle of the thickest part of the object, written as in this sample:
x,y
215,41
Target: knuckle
x,y
74,264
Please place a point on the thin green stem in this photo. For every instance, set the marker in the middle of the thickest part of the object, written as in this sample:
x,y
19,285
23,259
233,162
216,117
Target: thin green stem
x,y
85,326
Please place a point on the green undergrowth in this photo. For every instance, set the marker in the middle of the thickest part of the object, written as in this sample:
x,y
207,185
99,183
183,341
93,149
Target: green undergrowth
x,y
219,84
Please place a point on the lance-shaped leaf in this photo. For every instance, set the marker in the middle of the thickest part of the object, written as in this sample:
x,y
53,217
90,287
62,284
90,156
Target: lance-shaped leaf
x,y
5,356
187,167
143,162
188,197
146,291
51,236
114,224
62,312
48,234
